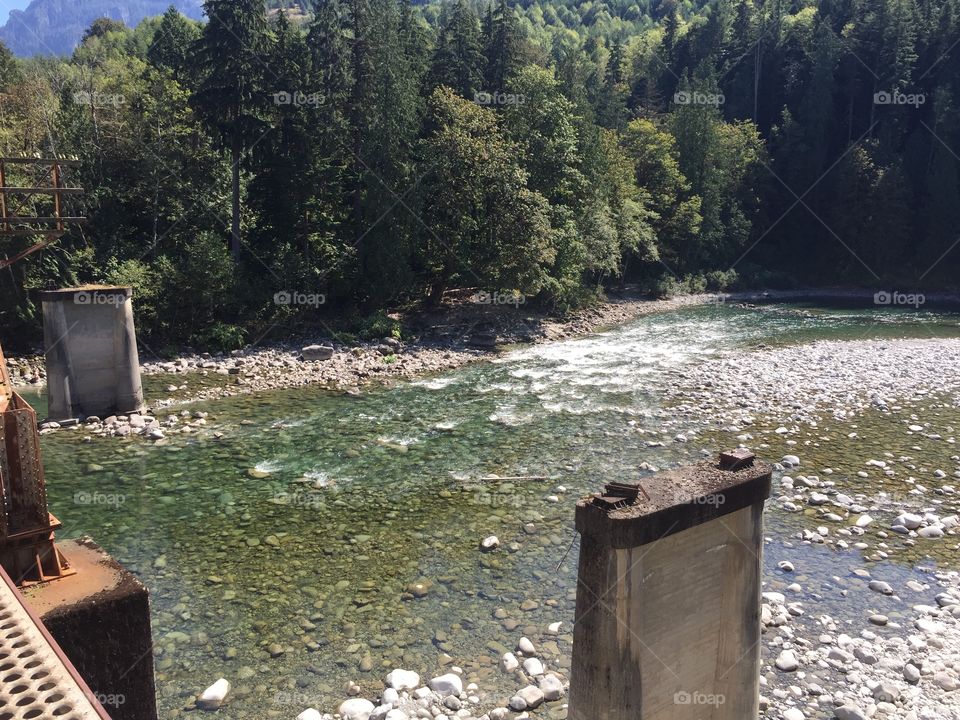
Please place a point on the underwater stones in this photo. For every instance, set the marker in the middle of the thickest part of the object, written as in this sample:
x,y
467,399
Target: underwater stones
x,y
420,588
489,543
909,521
258,474
275,650
356,709
526,647
449,684
529,605
212,698
881,587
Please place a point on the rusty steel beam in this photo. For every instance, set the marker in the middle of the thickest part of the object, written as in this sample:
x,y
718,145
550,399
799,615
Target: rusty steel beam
x,y
27,528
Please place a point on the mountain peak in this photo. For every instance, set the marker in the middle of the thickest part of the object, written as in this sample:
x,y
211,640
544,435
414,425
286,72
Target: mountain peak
x,y
55,27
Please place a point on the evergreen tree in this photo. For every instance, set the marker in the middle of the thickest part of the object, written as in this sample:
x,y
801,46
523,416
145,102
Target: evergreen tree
x,y
458,58
282,160
230,96
171,43
501,42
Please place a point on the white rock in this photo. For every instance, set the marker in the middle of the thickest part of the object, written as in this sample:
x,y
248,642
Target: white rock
x,y
533,666
526,647
448,684
864,520
491,542
310,714
909,521
528,698
517,704
509,662
790,460
403,680
849,712
390,697
787,661
356,709
213,696
380,713
793,714
552,687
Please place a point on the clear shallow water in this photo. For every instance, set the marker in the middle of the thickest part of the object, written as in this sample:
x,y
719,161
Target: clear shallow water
x,y
344,531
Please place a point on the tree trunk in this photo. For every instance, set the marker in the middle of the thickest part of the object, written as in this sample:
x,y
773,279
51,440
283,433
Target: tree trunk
x,y
435,297
235,223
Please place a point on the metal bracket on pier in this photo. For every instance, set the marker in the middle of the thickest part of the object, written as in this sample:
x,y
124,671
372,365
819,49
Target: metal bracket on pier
x,y
27,549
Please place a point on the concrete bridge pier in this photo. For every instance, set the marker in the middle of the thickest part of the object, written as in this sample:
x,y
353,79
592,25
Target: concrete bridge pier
x,y
91,350
668,595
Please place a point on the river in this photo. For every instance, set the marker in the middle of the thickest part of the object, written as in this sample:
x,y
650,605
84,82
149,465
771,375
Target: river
x,y
319,539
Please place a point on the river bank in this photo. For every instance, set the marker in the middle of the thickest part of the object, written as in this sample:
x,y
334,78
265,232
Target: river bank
x,y
440,340
436,341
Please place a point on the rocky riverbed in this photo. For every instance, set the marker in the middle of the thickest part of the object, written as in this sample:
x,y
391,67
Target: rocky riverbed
x,y
333,539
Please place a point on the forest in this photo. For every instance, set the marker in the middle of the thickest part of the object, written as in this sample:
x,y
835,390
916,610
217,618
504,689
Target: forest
x,y
374,155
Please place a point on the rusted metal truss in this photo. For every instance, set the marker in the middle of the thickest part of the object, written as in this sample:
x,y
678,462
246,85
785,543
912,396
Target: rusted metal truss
x,y
35,200
27,549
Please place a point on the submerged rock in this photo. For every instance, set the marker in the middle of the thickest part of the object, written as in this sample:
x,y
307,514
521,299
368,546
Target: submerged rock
x,y
448,684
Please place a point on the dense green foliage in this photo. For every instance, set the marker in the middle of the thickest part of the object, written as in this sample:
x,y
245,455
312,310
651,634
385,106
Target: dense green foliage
x,y
380,153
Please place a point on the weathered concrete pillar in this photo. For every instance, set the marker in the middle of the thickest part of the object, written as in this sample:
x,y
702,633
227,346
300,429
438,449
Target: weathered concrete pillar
x,y
668,595
91,352
101,618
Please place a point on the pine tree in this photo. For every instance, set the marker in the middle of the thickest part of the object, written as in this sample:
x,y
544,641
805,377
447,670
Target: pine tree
x,y
282,159
612,101
502,40
414,41
171,43
230,96
458,59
